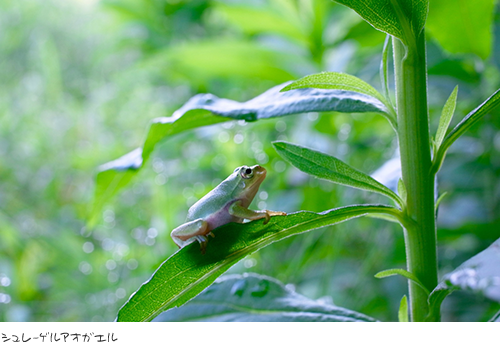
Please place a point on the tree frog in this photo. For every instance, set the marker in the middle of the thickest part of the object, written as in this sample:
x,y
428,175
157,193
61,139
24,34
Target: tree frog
x,y
228,202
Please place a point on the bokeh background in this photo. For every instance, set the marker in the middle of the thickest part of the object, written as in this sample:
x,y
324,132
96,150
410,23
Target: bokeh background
x,y
80,80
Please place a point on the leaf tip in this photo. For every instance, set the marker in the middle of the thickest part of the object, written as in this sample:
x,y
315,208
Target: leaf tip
x,y
279,144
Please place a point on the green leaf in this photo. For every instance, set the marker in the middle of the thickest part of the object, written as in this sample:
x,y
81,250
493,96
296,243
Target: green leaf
x,y
446,116
384,68
480,274
440,198
388,218
117,174
187,272
403,310
462,26
330,168
256,298
404,273
435,299
400,18
207,109
341,81
471,118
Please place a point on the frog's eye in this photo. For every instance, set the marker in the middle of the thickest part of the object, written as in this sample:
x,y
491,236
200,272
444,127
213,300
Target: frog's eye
x,y
236,169
246,172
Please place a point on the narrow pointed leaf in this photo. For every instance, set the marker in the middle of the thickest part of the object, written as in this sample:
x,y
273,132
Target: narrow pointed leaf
x,y
335,80
187,272
403,310
480,274
330,168
256,298
341,81
440,198
399,18
401,272
384,68
446,116
207,109
474,116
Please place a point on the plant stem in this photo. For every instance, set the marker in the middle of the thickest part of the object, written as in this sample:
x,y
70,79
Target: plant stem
x,y
413,125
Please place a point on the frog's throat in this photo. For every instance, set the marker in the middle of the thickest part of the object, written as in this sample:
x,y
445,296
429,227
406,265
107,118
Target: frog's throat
x,y
251,192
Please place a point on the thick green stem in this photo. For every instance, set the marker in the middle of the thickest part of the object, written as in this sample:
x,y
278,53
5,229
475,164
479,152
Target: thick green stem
x,y
413,127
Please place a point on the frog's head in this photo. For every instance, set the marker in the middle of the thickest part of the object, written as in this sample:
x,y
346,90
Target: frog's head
x,y
250,178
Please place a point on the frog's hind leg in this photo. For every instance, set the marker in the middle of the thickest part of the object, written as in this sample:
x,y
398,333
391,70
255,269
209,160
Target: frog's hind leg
x,y
191,231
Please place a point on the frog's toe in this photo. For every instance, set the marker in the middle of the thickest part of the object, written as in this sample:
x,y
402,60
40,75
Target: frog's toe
x,y
267,217
203,243
211,234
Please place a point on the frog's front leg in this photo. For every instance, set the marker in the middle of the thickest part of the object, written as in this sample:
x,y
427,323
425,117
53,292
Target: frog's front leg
x,y
236,209
191,231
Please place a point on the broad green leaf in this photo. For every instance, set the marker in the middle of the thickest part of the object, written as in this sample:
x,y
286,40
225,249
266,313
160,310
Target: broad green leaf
x,y
207,109
474,116
339,80
117,174
404,273
400,18
256,298
187,272
403,310
446,116
330,168
480,274
462,26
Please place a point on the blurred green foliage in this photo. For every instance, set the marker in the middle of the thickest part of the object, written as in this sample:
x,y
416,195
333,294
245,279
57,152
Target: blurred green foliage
x,y
80,82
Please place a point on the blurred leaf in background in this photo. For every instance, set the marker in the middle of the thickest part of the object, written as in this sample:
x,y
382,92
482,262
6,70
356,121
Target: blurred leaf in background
x,y
82,79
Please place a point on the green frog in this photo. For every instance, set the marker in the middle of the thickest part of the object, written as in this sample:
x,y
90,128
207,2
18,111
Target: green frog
x,y
228,202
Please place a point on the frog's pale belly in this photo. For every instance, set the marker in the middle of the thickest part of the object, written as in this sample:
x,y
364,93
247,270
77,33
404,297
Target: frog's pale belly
x,y
221,217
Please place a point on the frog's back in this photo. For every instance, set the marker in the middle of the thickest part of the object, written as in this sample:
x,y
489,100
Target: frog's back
x,y
215,201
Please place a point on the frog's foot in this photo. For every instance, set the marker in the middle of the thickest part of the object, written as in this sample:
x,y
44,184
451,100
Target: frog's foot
x,y
270,213
203,243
